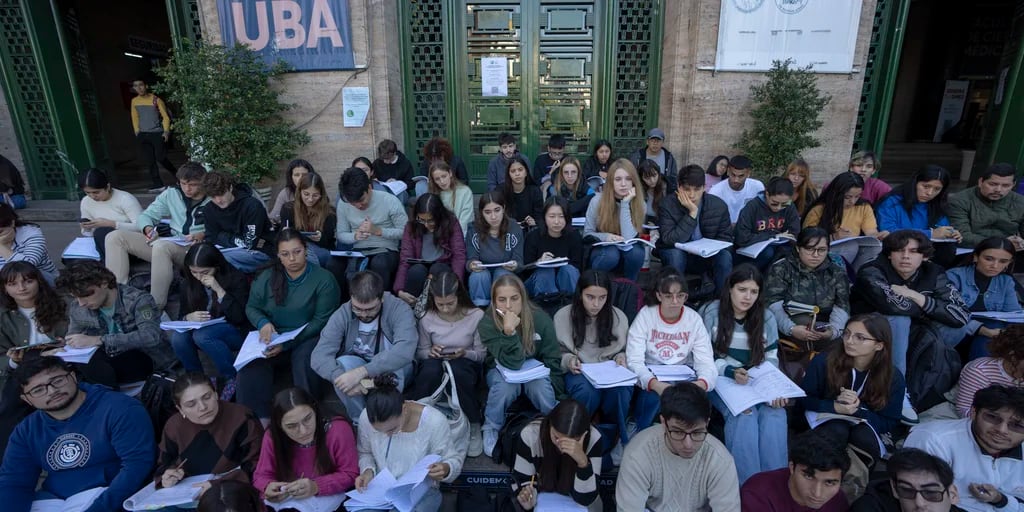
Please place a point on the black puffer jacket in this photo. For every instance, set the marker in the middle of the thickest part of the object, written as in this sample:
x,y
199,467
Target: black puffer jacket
x,y
872,291
676,224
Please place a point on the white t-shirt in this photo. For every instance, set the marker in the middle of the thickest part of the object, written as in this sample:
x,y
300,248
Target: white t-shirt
x,y
34,336
736,199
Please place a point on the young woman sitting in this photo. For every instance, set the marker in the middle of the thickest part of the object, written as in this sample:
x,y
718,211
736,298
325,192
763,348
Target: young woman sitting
x,y
395,434
556,238
1004,365
522,194
843,214
292,175
856,378
592,330
454,194
492,239
212,288
598,162
654,189
716,171
804,192
985,285
560,453
570,184
105,208
769,215
744,335
312,215
616,215
921,204
23,241
207,436
448,332
431,244
515,333
304,454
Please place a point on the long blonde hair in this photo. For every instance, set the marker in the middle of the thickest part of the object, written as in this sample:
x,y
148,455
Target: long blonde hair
x,y
311,218
608,212
806,192
455,183
526,327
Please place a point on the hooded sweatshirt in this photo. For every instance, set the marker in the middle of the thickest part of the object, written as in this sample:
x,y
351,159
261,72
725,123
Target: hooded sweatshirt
x,y
244,223
757,222
107,442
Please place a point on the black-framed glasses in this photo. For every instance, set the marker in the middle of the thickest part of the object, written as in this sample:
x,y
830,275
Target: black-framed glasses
x,y
857,337
817,251
366,311
910,493
680,435
55,383
426,222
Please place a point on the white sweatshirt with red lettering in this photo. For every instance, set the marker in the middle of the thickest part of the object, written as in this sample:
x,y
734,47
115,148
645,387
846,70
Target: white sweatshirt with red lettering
x,y
653,340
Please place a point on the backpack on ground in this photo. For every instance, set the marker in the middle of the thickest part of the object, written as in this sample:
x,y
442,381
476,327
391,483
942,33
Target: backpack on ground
x,y
933,367
627,296
505,450
157,397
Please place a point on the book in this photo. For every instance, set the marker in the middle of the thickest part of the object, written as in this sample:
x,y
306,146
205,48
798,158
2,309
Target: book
x,y
554,502
253,349
608,374
626,243
960,251
177,240
76,355
495,265
817,418
755,250
185,325
766,384
1010,317
860,240
185,492
348,254
672,372
579,221
704,247
224,249
81,248
396,187
75,503
552,263
531,369
387,492
310,504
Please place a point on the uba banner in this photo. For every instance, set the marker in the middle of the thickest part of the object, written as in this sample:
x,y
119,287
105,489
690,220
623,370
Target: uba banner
x,y
307,34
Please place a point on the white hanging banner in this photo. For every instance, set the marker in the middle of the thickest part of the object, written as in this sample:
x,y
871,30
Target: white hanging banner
x,y
820,33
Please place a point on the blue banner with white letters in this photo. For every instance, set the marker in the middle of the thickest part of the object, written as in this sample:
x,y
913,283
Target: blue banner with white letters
x,y
309,35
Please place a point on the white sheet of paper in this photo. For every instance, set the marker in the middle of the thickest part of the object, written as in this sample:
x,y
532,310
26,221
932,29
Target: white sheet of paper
x,y
150,498
1010,317
672,372
77,355
375,494
396,187
412,485
184,325
704,247
579,221
753,250
860,240
82,248
766,384
607,374
252,348
75,503
310,504
348,254
355,104
494,76
531,370
494,265
554,502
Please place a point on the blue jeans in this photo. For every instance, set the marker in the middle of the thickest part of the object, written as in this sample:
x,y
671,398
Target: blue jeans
x,y
219,341
762,261
648,405
354,405
246,261
612,402
900,340
17,201
755,438
719,264
607,258
502,394
318,255
952,336
553,280
480,284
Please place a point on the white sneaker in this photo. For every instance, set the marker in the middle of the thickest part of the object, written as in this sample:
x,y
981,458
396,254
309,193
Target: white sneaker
x,y
476,441
909,414
490,441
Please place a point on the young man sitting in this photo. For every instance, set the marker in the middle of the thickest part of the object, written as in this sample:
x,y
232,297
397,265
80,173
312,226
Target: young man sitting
x,y
89,441
918,482
184,205
235,218
811,482
984,450
372,223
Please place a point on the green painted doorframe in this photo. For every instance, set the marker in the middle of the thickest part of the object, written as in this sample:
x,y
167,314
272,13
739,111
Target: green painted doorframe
x,y
1008,137
880,74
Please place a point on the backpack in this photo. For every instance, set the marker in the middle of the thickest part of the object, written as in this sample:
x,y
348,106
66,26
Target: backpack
x,y
933,367
505,450
627,296
157,397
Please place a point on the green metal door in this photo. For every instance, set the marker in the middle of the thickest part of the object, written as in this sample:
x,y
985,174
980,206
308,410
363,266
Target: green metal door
x,y
1004,123
583,69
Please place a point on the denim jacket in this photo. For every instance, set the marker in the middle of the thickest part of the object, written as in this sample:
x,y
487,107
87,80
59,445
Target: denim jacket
x,y
1000,296
139,321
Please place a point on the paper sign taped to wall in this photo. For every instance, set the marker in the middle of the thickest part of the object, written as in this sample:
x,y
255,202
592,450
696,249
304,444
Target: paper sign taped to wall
x,y
494,76
355,104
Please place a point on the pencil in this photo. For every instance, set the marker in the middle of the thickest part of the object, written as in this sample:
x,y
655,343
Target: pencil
x,y
181,464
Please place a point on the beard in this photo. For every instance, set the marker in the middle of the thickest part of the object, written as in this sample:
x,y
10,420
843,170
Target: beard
x,y
58,403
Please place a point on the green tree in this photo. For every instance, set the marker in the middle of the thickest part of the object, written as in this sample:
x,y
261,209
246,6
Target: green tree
x,y
231,115
786,114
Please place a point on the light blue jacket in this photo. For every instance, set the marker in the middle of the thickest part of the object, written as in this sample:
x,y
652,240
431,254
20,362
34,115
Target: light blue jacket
x,y
1000,296
892,216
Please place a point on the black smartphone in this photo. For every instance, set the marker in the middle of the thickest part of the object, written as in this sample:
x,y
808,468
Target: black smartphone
x,y
84,220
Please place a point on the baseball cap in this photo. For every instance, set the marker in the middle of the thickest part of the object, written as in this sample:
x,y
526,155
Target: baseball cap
x,y
656,133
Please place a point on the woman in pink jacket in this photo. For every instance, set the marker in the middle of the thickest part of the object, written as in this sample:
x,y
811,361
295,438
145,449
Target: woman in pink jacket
x,y
432,243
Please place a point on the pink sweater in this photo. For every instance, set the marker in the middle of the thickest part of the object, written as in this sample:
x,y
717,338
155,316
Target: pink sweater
x,y
341,443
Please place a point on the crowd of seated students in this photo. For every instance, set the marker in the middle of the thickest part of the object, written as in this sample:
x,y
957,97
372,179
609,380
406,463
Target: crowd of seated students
x,y
423,297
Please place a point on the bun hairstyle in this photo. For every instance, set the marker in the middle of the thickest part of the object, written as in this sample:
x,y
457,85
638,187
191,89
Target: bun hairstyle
x,y
384,401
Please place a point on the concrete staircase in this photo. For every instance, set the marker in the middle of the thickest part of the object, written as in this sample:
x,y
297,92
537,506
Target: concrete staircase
x,y
900,160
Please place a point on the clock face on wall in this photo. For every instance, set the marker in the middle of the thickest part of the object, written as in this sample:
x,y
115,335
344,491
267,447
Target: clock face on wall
x,y
748,5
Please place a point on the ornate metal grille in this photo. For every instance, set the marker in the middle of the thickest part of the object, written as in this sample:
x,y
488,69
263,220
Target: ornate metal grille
x,y
635,65
426,79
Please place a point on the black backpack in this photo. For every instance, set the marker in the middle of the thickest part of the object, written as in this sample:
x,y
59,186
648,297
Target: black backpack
x,y
158,399
505,450
627,296
933,367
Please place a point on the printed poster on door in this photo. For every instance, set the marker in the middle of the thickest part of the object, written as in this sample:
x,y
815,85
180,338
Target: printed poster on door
x,y
494,76
819,33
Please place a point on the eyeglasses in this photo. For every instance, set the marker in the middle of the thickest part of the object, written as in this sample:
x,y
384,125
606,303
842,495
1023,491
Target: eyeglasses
x,y
910,493
817,251
56,383
857,337
680,435
1014,425
366,311
426,222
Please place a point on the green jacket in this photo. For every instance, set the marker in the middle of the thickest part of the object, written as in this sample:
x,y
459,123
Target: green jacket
x,y
826,287
311,299
14,333
186,215
977,218
508,350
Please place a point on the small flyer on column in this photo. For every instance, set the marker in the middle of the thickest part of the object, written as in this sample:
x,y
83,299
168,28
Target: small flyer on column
x,y
355,103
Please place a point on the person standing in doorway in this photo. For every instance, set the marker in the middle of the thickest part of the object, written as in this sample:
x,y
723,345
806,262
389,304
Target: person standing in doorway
x,y
152,126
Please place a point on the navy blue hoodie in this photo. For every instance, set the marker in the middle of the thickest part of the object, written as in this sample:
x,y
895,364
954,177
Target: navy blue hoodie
x,y
108,442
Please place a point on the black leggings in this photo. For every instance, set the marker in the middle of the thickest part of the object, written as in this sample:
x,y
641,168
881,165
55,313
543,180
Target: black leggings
x,y
859,435
416,276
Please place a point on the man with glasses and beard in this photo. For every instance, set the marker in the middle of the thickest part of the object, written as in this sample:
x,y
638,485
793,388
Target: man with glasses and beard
x,y
372,334
984,449
918,482
89,440
675,465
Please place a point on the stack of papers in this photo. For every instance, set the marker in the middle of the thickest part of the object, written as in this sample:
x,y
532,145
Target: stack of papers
x,y
348,254
496,265
75,503
766,384
252,348
386,492
554,502
552,263
607,374
532,369
177,240
704,247
310,504
672,372
579,221
396,187
183,325
1010,317
81,248
151,498
76,355
754,250
625,243
866,241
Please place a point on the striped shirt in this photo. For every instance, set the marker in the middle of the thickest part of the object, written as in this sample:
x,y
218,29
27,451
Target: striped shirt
x,y
29,245
528,459
980,374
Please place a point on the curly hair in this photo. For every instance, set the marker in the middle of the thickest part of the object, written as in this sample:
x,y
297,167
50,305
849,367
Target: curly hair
x,y
51,310
80,277
1004,346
